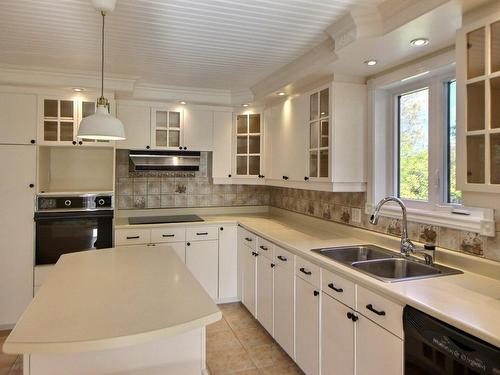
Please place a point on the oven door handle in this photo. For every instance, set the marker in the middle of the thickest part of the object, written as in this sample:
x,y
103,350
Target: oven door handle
x,y
50,216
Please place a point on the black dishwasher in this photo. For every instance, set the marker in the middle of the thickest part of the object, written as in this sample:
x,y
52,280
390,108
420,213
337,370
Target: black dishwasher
x,y
433,347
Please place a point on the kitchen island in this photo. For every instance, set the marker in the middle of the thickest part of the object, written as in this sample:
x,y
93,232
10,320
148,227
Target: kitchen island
x,y
128,310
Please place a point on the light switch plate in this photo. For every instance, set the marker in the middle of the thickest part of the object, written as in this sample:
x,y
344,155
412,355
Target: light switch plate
x,y
356,215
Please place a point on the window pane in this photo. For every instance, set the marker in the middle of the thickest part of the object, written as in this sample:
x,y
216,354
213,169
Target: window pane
x,y
174,119
254,123
161,119
174,138
241,165
323,163
495,47
66,108
414,145
475,53
454,195
242,144
494,100
475,159
313,164
66,131
254,144
242,127
313,135
313,109
254,165
50,108
161,138
495,158
324,134
324,102
50,130
475,106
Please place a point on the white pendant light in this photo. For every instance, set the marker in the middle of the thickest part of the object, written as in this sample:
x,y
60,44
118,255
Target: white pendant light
x,y
101,125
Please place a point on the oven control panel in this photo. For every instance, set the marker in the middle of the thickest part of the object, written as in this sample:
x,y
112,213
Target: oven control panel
x,y
80,202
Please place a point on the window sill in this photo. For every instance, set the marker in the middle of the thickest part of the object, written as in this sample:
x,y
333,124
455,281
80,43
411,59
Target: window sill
x,y
479,220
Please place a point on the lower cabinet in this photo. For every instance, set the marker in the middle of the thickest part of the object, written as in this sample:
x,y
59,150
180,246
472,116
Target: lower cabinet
x,y
337,338
265,292
307,303
249,287
377,351
178,247
228,260
202,261
284,300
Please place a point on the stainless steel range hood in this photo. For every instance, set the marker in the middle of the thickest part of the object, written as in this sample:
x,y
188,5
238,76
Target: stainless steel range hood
x,y
156,160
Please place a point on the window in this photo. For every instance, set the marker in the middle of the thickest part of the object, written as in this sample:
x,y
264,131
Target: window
x,y
425,143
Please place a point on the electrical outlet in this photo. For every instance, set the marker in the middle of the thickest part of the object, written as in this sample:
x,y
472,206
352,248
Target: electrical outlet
x,y
356,215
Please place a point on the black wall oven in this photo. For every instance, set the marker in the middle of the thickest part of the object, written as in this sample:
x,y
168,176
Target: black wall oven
x,y
67,224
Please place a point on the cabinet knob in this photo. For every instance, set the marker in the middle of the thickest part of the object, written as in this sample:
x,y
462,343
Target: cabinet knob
x,y
185,148
74,142
285,178
228,175
352,316
316,293
80,143
221,228
188,244
31,185
32,141
306,178
148,147
273,265
180,147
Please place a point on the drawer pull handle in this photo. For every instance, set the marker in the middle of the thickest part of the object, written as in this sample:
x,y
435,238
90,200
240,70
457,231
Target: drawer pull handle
x,y
248,239
264,248
378,312
201,233
303,270
255,254
168,235
352,316
133,237
282,258
338,290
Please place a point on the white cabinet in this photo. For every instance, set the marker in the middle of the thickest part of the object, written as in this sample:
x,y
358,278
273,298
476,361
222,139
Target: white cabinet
x,y
198,130
377,350
265,292
307,303
222,142
167,127
249,142
178,247
18,115
228,259
248,269
16,230
337,338
284,297
136,120
202,261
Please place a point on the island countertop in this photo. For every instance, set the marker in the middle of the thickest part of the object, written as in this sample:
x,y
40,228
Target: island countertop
x,y
104,299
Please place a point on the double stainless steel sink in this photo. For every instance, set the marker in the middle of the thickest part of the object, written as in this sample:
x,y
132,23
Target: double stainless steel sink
x,y
384,264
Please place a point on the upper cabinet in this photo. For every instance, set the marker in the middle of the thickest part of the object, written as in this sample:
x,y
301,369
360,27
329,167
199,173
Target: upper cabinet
x,y
222,145
478,112
18,114
318,140
199,129
249,132
59,118
167,128
136,120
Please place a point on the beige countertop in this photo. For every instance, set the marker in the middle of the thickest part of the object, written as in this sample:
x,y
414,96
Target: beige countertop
x,y
468,301
104,299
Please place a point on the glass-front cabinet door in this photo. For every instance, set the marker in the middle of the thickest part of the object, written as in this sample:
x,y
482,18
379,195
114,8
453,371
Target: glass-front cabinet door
x,y
59,121
248,144
166,128
478,78
319,133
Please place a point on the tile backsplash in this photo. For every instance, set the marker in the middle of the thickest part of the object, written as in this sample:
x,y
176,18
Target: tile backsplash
x,y
344,207
139,190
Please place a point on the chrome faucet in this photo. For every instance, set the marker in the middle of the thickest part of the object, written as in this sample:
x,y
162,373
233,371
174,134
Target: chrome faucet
x,y
407,247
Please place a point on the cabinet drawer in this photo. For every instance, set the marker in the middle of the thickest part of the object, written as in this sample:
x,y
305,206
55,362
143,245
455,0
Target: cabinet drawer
x,y
307,271
168,235
132,236
247,238
266,248
202,233
382,311
283,258
339,288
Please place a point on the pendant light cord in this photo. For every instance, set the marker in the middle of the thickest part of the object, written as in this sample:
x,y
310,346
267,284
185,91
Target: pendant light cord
x,y
103,13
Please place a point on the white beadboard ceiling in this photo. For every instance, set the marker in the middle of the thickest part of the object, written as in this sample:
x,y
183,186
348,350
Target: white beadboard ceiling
x,y
220,44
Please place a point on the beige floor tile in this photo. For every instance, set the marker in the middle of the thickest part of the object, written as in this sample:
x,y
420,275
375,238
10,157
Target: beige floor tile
x,y
241,320
229,361
254,336
269,355
218,326
222,340
282,370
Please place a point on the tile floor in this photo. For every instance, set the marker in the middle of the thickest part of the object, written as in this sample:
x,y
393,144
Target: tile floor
x,y
237,344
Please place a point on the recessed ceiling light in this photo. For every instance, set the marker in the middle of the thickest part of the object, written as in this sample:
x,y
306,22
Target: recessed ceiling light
x,y
245,105
183,102
419,42
282,93
371,62
78,89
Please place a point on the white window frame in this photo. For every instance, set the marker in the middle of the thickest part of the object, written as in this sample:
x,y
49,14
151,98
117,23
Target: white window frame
x,y
382,149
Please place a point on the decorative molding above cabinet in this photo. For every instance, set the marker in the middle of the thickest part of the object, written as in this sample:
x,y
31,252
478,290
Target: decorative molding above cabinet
x,y
478,109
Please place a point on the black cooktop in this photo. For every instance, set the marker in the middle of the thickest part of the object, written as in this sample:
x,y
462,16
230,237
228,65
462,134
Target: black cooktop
x,y
164,219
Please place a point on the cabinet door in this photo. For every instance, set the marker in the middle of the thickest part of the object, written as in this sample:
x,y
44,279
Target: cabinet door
x,y
228,259
248,293
283,307
265,293
198,130
337,338
136,121
202,261
307,327
178,247
222,144
167,128
18,113
377,350
16,230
